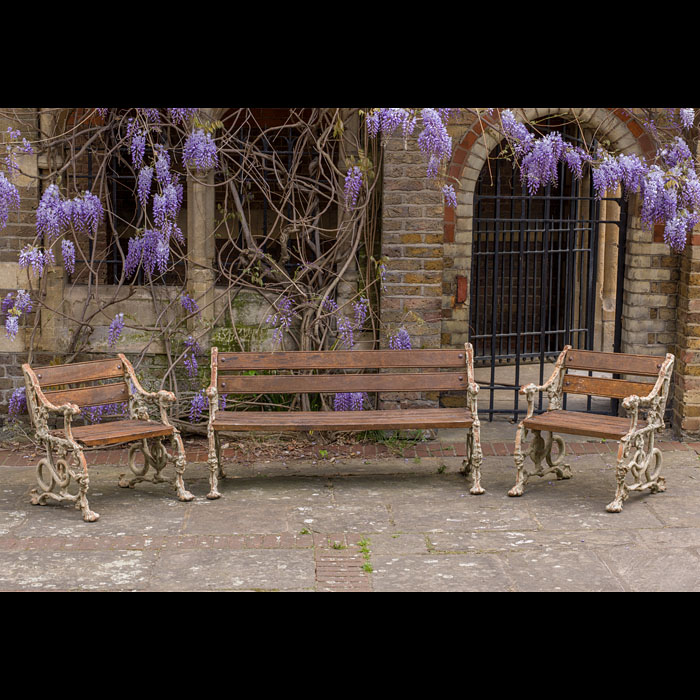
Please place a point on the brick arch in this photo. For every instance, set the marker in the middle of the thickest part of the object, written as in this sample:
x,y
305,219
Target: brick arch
x,y
618,124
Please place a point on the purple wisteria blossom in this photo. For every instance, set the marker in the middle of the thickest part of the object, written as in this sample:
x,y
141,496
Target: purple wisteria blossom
x,y
162,165
138,148
86,212
13,149
189,304
200,151
143,187
400,340
96,414
353,184
9,199
282,319
38,260
190,358
450,196
151,249
182,114
434,140
115,329
198,405
18,402
361,308
68,252
51,216
350,401
687,117
14,308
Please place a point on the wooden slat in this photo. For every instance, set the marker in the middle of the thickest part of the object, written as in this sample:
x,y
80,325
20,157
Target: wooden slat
x,y
280,384
617,363
342,359
582,423
599,386
116,432
91,395
79,372
272,421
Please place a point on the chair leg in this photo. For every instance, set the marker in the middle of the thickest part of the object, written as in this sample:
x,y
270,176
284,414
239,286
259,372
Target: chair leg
x,y
540,450
57,473
180,461
214,461
645,467
472,463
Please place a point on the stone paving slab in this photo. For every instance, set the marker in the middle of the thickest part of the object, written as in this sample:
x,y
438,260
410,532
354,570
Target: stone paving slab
x,y
359,523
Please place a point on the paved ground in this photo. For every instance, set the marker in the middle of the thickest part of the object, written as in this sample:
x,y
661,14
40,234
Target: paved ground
x,y
374,521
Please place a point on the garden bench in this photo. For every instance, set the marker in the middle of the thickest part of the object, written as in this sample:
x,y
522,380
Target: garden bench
x,y
635,433
61,390
226,379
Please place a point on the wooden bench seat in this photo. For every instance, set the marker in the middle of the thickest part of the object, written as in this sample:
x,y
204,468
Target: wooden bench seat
x,y
343,420
116,432
62,390
581,423
636,452
343,372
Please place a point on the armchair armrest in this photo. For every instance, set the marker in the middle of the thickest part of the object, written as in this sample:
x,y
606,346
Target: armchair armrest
x,y
162,397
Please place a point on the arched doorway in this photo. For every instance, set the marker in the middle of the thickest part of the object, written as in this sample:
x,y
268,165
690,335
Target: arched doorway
x,y
535,282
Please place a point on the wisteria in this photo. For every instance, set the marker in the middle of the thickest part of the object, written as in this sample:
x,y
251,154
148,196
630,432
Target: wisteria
x,y
401,340
350,401
9,199
18,402
200,151
198,405
361,308
669,188
68,253
450,195
687,117
96,414
138,148
14,307
189,304
38,260
115,329
353,185
434,140
143,186
282,319
182,114
190,359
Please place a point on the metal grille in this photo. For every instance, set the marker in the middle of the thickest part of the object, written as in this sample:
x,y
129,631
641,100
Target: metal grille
x,y
533,277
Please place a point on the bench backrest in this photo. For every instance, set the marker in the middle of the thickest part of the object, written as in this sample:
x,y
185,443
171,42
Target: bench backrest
x,y
57,382
227,364
614,363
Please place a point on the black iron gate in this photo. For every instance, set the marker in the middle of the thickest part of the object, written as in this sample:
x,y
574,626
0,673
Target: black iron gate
x,y
533,277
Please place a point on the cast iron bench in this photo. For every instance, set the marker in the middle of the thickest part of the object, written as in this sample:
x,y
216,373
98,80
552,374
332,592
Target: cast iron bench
x,y
636,452
83,384
225,379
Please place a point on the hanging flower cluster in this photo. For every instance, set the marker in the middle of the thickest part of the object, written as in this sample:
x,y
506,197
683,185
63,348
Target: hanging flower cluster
x,y
350,401
200,151
433,140
400,340
96,414
190,360
198,405
18,402
669,188
189,304
282,319
115,329
353,185
14,306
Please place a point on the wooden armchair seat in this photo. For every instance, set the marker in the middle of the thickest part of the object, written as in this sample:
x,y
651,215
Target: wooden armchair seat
x,y
62,390
636,452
